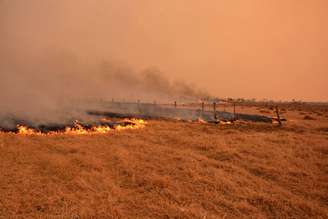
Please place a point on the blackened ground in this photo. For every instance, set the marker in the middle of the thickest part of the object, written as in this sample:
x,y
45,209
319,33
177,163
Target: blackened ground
x,y
154,111
51,127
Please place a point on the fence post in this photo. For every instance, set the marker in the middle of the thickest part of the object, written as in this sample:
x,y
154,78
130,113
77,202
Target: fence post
x,y
278,116
214,110
234,110
203,107
175,104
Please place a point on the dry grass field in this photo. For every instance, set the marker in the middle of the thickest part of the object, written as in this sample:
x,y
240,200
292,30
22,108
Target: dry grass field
x,y
171,169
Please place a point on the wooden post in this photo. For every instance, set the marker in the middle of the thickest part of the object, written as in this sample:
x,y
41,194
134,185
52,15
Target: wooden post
x,y
278,116
175,104
234,110
214,110
203,106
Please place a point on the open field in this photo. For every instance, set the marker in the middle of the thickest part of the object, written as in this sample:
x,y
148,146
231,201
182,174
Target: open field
x,y
171,169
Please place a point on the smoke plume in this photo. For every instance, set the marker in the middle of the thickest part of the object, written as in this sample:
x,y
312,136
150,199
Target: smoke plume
x,y
46,76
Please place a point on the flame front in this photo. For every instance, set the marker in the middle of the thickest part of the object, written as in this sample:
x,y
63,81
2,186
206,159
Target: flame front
x,y
137,124
78,129
23,130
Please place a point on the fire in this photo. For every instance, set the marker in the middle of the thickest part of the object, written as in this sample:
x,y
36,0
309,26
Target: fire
x,y
23,130
137,124
78,129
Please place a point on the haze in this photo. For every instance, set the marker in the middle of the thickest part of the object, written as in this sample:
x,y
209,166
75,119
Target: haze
x,y
233,48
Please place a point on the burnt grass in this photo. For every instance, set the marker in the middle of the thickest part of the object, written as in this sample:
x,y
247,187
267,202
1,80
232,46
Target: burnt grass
x,y
169,169
50,127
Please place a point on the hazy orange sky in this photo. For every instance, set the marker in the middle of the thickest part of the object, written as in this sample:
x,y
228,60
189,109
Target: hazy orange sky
x,y
276,49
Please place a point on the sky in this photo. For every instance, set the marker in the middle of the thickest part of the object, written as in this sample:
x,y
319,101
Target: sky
x,y
274,49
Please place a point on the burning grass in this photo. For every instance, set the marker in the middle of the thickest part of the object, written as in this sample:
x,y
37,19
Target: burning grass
x,y
80,129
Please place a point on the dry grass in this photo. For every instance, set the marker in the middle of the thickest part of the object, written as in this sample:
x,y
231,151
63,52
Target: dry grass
x,y
169,170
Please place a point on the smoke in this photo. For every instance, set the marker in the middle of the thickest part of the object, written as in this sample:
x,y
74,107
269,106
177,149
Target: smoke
x,y
47,77
58,85
147,85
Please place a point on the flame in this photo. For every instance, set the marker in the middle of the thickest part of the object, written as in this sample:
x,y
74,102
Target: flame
x,y
23,130
137,124
78,129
